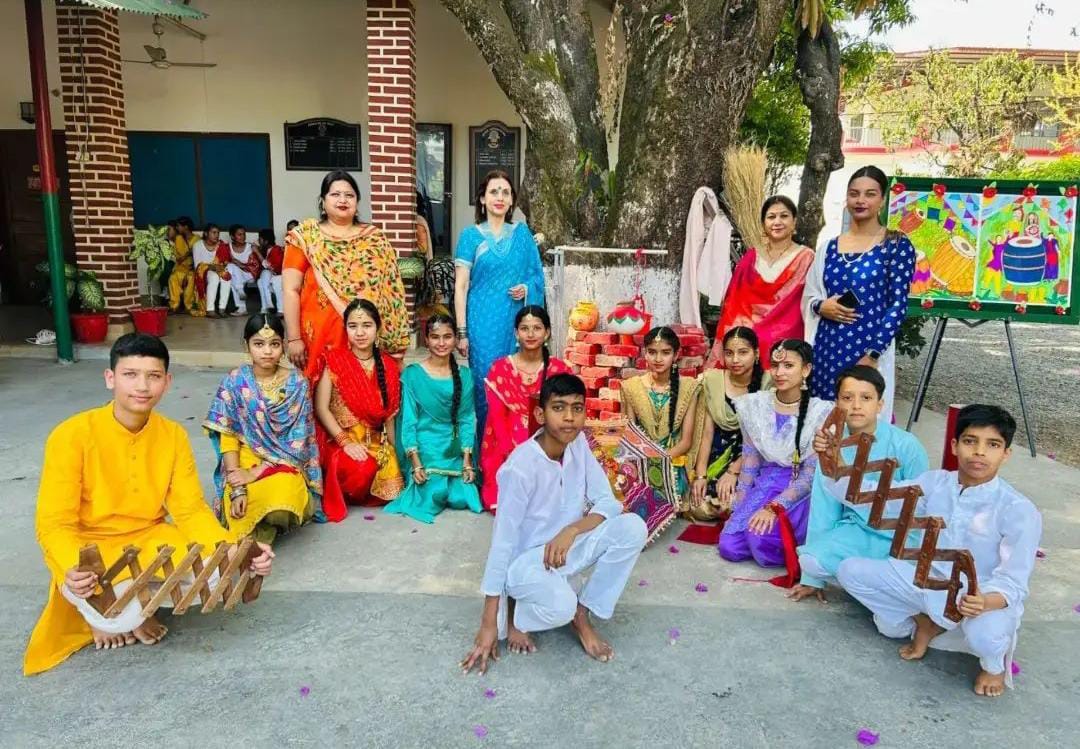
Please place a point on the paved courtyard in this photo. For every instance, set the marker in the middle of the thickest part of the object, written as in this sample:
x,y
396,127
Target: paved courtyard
x,y
355,639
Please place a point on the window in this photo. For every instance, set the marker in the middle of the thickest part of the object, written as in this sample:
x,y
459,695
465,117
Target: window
x,y
855,127
219,177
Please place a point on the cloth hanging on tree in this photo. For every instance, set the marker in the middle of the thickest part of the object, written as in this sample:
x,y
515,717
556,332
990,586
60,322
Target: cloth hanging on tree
x,y
706,265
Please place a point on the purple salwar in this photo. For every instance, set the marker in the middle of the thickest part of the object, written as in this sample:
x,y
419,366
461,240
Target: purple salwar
x,y
766,549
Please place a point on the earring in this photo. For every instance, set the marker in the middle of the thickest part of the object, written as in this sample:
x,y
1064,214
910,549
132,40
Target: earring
x,y
803,387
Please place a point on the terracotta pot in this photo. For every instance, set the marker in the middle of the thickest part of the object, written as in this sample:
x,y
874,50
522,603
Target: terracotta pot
x,y
150,320
585,316
90,327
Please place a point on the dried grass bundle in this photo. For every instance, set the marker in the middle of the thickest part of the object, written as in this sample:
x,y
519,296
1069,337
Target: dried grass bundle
x,y
744,190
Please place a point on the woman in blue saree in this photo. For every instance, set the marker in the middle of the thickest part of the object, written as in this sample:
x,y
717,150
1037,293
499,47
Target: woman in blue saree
x,y
261,424
497,273
437,430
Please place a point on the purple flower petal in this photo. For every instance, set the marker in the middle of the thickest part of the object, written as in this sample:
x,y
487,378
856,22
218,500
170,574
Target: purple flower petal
x,y
489,693
1052,456
1040,554
1015,667
866,737
701,588
305,691
642,583
369,517
1076,608
480,731
673,549
674,634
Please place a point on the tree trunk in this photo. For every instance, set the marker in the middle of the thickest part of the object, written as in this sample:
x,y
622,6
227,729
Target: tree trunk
x,y
817,67
687,86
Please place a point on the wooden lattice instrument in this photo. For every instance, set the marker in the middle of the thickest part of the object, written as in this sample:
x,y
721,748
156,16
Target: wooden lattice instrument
x,y
235,580
832,465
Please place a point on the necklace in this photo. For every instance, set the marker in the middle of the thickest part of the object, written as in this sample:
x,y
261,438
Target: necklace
x,y
776,396
272,385
772,257
656,387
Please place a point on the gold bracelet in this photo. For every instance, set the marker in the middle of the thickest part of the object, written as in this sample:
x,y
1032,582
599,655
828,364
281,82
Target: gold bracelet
x,y
342,438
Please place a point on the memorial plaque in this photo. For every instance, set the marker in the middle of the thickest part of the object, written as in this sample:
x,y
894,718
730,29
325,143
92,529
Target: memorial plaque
x,y
493,145
322,144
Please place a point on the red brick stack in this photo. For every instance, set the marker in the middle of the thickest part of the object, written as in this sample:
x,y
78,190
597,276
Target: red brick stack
x,y
603,362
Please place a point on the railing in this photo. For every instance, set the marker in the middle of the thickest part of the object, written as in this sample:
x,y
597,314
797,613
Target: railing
x,y
871,137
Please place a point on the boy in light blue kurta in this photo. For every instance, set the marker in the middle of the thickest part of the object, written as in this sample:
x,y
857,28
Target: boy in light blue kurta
x,y
835,531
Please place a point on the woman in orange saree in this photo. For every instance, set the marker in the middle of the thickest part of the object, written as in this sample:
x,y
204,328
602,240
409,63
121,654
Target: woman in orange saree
x,y
766,287
331,262
357,395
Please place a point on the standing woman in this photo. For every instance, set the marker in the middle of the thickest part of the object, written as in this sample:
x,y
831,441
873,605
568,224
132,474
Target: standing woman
x,y
336,258
512,390
356,399
876,266
437,430
267,478
766,288
717,434
497,273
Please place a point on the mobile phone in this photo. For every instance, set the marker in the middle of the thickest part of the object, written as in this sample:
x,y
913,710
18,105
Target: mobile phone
x,y
849,300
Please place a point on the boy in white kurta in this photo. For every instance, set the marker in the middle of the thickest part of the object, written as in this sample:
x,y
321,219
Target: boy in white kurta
x,y
998,525
557,517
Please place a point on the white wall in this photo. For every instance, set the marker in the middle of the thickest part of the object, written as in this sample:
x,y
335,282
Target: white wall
x,y
15,64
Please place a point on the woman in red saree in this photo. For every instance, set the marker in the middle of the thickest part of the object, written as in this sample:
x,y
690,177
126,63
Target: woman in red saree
x,y
357,395
766,288
512,387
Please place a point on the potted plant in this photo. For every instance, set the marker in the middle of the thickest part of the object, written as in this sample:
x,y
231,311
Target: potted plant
x,y
90,324
152,246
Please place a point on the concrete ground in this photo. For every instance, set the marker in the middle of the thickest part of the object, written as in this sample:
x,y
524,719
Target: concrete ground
x,y
372,616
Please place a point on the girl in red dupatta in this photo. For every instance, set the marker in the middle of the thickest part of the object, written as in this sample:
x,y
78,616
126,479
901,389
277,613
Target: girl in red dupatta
x,y
766,288
512,387
357,396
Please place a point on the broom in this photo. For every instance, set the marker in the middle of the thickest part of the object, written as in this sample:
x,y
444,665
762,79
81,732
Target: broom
x,y
744,190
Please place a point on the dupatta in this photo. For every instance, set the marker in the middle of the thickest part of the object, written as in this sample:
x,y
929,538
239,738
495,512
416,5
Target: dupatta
x,y
359,389
282,434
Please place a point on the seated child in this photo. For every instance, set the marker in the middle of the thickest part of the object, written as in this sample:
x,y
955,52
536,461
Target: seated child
x,y
837,531
983,514
557,517
111,475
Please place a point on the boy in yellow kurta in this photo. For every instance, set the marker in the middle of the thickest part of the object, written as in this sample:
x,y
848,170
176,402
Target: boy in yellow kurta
x,y
182,278
110,476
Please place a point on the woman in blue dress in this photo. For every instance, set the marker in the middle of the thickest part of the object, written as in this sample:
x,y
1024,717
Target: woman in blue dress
x,y
876,266
497,273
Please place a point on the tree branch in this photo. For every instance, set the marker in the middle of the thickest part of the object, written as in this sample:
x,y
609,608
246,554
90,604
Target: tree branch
x,y
531,22
575,52
817,68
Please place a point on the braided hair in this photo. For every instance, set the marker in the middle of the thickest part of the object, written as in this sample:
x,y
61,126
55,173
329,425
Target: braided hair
x,y
668,336
541,314
743,333
441,318
369,309
803,350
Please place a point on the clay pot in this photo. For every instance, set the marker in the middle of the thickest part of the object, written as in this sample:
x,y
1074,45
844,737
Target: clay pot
x,y
585,316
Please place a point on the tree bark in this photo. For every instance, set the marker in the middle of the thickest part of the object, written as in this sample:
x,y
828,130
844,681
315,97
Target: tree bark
x,y
817,67
688,83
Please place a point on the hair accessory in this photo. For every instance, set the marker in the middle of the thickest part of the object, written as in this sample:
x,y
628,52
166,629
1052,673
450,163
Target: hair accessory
x,y
266,332
779,354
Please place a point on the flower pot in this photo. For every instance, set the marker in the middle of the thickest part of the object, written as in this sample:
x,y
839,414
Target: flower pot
x,y
90,327
150,320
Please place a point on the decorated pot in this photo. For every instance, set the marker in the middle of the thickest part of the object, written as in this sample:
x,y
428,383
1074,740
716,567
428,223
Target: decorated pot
x,y
584,316
628,318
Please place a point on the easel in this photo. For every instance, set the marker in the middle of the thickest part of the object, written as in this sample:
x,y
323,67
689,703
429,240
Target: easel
x,y
558,283
931,359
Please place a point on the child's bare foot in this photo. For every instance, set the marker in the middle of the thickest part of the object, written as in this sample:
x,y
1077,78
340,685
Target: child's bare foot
x,y
595,646
109,641
519,642
150,632
990,685
925,631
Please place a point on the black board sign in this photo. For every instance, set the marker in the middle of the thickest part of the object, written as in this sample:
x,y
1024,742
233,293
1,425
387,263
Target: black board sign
x,y
321,144
493,145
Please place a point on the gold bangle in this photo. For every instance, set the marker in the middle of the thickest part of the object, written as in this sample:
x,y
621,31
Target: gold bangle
x,y
342,438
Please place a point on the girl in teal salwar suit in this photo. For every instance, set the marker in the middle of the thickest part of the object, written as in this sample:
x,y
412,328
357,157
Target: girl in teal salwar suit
x,y
437,430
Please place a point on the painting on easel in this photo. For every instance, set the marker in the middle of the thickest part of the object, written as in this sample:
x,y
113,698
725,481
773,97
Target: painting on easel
x,y
990,251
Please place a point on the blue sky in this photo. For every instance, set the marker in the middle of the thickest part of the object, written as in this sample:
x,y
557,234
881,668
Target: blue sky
x,y
988,23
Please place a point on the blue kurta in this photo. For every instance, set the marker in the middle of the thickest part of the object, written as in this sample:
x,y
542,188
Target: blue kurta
x,y
495,265
880,277
836,531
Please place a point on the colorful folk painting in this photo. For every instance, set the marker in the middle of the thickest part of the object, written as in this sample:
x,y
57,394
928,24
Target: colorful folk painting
x,y
1010,248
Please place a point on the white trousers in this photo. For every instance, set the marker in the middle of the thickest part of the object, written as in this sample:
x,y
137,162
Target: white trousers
x,y
131,616
241,277
886,587
216,289
545,598
811,566
270,284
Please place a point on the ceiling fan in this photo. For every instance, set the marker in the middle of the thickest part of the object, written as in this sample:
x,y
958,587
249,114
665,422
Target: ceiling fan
x,y
157,54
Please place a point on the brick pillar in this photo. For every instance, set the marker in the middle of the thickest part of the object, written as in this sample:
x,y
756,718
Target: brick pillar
x,y
97,153
391,61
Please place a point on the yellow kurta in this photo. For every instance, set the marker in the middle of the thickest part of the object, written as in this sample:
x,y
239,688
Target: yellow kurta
x,y
182,278
271,494
105,485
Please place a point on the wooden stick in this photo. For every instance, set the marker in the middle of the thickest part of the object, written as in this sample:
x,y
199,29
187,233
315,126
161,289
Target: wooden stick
x,y
90,561
203,571
171,585
224,588
139,583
